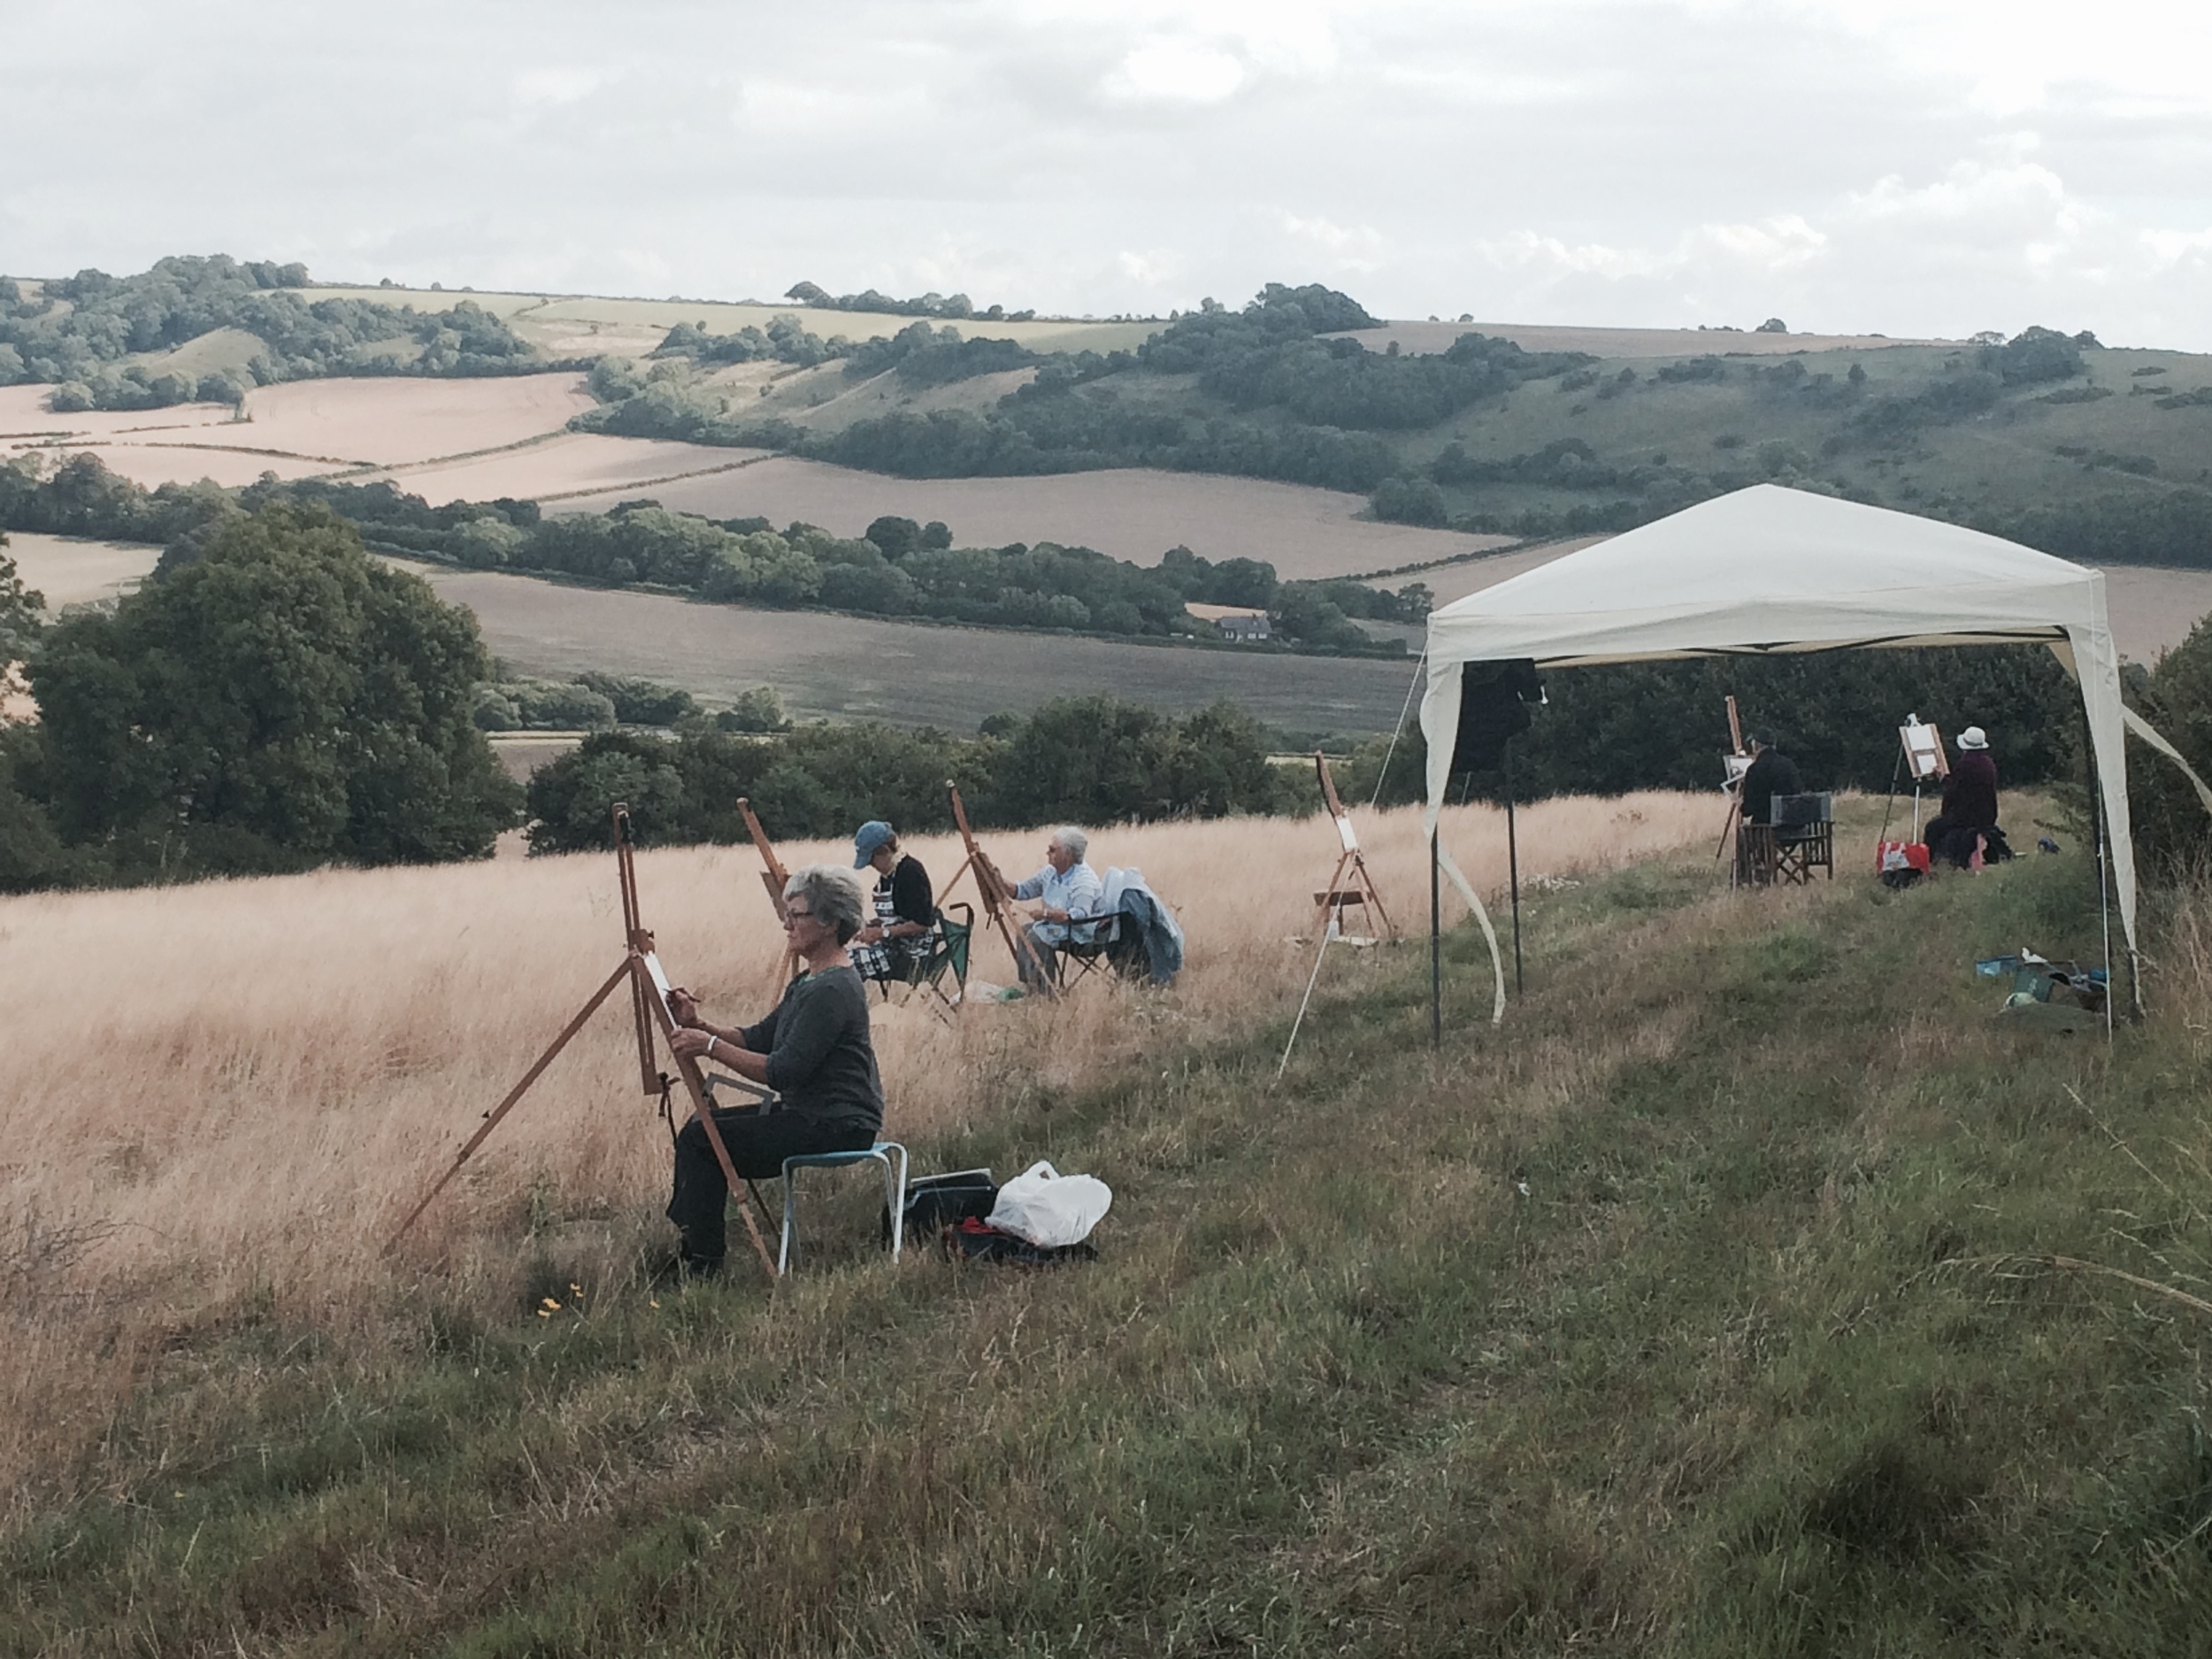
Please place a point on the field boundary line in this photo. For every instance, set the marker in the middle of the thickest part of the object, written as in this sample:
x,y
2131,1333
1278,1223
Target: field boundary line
x,y
532,441
673,477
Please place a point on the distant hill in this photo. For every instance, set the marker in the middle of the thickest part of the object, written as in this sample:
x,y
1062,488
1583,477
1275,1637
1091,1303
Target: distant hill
x,y
2049,437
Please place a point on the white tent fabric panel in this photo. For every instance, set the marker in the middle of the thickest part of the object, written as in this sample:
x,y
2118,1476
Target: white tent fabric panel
x,y
1769,570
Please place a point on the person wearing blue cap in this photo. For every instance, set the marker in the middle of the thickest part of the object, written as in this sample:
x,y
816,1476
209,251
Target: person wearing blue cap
x,y
906,908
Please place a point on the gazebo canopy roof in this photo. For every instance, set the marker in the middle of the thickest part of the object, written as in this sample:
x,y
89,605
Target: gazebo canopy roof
x,y
1769,569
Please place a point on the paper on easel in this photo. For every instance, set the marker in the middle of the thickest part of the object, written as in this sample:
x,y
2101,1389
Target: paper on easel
x,y
660,983
1347,834
1924,750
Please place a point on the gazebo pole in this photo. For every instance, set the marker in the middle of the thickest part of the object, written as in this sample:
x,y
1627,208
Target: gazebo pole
x,y
1436,946
1513,866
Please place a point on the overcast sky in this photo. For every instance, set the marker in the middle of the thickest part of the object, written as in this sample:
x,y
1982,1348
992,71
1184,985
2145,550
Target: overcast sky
x,y
1905,166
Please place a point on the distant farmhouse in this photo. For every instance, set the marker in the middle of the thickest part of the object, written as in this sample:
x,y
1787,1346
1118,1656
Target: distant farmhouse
x,y
1235,622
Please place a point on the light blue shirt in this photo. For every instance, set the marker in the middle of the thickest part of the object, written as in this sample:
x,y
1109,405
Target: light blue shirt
x,y
1079,892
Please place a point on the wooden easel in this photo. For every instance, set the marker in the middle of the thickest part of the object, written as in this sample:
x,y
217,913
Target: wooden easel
x,y
998,898
775,878
1332,900
648,1001
1733,789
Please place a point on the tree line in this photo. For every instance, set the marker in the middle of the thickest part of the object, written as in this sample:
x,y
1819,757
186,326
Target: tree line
x,y
898,568
284,700
77,332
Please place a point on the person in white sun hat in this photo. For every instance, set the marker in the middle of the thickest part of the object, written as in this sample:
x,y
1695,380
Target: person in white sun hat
x,y
1968,822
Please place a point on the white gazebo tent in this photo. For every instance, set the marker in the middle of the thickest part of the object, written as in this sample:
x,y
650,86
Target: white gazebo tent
x,y
1770,570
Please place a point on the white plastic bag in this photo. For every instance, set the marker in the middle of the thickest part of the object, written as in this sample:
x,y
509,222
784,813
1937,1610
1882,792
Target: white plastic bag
x,y
1050,1210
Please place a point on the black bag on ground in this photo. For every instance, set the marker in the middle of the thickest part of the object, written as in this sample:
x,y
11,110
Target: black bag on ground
x,y
974,1240
934,1202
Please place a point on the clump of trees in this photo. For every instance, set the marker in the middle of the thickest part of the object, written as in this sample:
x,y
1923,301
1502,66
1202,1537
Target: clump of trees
x,y
956,306
78,331
1094,760
281,702
595,702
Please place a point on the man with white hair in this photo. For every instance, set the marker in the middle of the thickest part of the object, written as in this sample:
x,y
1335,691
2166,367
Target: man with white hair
x,y
1066,890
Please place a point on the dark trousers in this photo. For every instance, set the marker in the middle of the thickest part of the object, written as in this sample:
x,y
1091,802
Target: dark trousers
x,y
758,1143
1951,842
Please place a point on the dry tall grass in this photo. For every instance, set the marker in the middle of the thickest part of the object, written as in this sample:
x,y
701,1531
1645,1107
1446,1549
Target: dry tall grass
x,y
235,1090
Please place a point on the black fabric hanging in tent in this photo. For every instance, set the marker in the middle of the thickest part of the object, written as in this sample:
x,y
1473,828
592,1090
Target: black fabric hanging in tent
x,y
1494,699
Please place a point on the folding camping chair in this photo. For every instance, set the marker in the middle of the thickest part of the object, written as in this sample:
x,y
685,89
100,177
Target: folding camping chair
x,y
948,954
1080,959
1804,837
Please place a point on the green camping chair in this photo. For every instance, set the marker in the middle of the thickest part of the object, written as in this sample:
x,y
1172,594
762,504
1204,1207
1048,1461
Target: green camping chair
x,y
948,957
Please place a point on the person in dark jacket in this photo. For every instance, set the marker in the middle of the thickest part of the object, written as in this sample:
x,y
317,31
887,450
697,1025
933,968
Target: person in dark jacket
x,y
814,1050
1772,773
1970,802
905,908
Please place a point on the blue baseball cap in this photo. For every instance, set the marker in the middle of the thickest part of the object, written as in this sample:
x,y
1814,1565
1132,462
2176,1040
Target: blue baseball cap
x,y
870,836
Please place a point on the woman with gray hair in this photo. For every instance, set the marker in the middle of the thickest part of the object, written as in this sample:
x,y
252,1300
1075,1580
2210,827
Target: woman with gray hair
x,y
814,1050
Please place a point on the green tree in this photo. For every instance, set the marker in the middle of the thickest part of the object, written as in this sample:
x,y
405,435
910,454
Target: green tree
x,y
19,609
282,702
1086,760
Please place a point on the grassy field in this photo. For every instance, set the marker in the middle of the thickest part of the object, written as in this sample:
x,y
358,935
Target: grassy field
x,y
1749,1292
2008,456
564,326
427,991
1618,345
912,673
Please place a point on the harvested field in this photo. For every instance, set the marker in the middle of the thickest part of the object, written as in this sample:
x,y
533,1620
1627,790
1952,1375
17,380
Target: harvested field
x,y
70,571
1128,513
180,459
550,628
1616,344
912,674
24,416
306,428
1454,581
567,465
396,421
2153,610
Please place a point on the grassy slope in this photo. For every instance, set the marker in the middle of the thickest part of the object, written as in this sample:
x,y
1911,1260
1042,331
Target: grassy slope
x,y
2006,457
1684,1314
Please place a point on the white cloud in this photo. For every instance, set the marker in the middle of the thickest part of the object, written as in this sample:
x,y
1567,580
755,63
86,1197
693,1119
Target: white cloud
x,y
1175,71
1152,267
1912,167
556,86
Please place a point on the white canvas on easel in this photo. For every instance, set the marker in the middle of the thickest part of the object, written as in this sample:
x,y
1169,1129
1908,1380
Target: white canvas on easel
x,y
1924,750
1923,758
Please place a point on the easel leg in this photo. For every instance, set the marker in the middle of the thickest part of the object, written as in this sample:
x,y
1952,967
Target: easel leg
x,y
695,1085
492,1118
